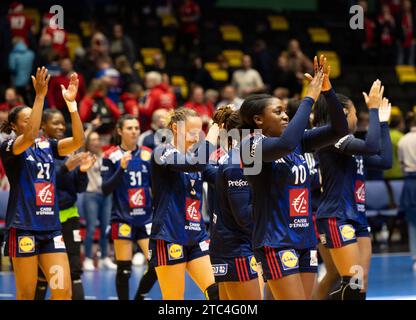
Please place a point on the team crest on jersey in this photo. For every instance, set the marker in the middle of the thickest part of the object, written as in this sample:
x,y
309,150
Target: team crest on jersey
x,y
289,259
192,210
298,199
220,269
45,194
359,191
26,244
137,197
175,251
145,155
253,264
347,232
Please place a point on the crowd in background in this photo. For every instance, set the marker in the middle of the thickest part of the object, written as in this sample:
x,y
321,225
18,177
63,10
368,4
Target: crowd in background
x,y
113,80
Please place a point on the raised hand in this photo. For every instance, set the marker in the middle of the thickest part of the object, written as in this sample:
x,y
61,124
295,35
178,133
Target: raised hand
x,y
326,85
41,81
74,161
70,93
87,162
124,162
315,87
374,98
385,110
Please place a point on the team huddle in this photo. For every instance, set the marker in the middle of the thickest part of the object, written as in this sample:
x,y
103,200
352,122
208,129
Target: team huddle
x,y
265,227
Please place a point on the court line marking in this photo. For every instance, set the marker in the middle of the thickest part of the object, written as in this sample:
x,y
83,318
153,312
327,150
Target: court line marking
x,y
393,298
393,254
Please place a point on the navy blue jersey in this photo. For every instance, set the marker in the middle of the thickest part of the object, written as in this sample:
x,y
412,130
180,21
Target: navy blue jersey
x,y
313,164
282,202
33,202
232,223
177,196
343,171
132,200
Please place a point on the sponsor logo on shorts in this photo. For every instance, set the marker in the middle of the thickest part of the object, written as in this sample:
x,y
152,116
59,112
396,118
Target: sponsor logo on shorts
x,y
175,251
58,242
26,244
77,236
253,264
347,232
45,194
298,202
289,259
204,245
314,258
124,230
220,269
322,238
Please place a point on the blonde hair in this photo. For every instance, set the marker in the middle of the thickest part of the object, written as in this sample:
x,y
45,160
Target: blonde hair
x,y
179,114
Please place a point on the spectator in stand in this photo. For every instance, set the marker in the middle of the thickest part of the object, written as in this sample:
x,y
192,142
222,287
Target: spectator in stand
x,y
95,105
203,108
212,96
247,80
55,99
121,44
406,32
98,50
386,30
298,62
367,35
407,158
149,138
59,36
158,65
131,99
157,95
199,75
20,65
396,133
111,78
284,77
229,96
45,50
12,99
263,60
127,75
96,207
189,14
20,24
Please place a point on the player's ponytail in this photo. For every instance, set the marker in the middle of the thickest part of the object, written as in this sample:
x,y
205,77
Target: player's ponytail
x,y
6,126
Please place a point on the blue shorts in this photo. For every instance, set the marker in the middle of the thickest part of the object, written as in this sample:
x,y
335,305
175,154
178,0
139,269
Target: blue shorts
x,y
276,263
337,233
121,230
163,253
24,243
234,269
